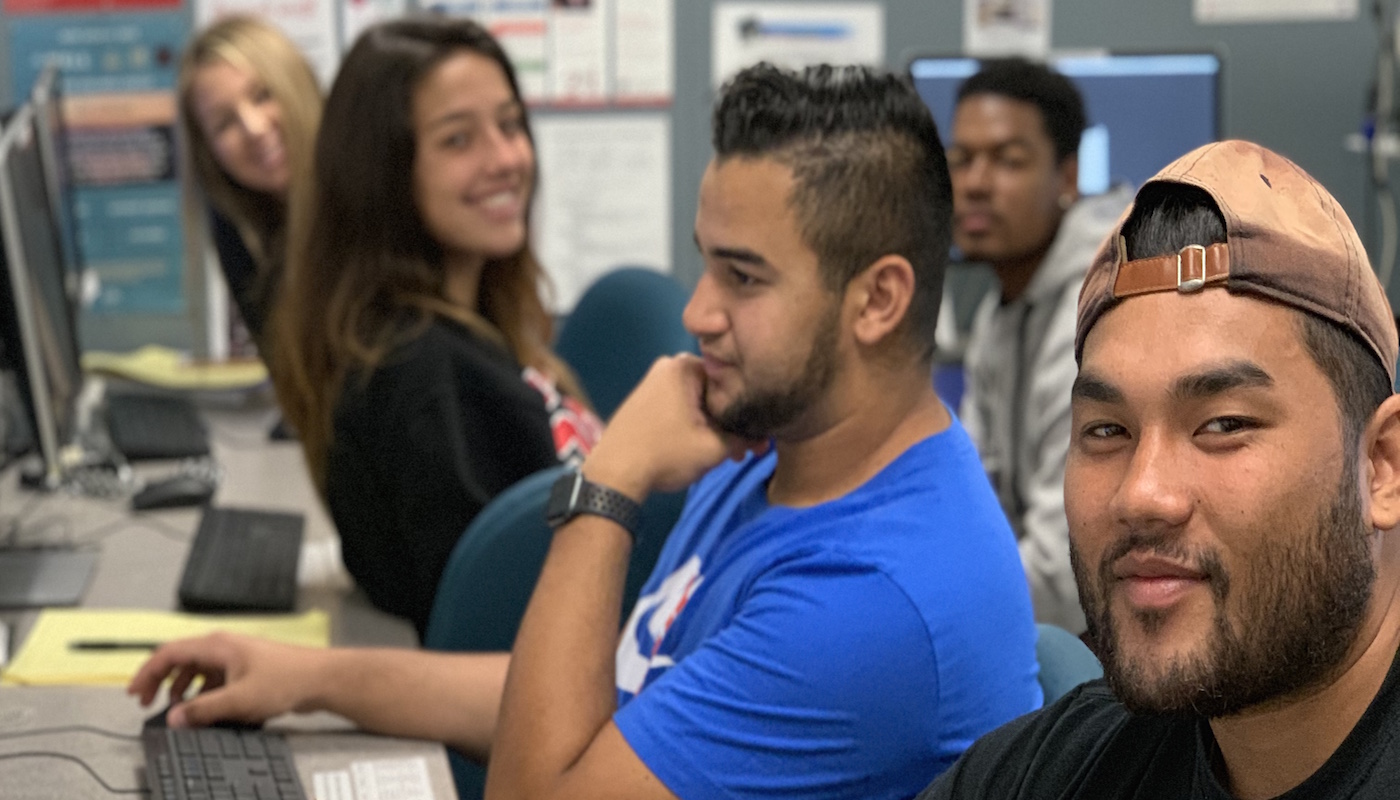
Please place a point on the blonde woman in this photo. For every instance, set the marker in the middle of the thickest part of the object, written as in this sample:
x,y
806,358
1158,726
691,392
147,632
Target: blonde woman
x,y
249,106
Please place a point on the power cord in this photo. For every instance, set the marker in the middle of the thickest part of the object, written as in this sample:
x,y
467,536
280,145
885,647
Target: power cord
x,y
159,526
13,525
52,530
69,729
67,757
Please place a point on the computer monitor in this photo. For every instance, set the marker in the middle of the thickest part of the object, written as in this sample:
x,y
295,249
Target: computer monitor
x,y
38,334
47,98
38,345
1144,109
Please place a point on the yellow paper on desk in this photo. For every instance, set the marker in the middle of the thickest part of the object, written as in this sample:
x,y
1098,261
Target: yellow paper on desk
x,y
48,659
161,366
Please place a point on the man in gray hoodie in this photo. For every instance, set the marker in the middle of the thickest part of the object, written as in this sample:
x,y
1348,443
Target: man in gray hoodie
x,y
1013,156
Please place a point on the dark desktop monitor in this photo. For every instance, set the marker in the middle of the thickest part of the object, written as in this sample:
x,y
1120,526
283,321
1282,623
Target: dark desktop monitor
x,y
1144,109
47,99
37,345
38,333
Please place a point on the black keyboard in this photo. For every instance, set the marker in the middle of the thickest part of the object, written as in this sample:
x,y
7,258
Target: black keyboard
x,y
219,764
242,560
155,426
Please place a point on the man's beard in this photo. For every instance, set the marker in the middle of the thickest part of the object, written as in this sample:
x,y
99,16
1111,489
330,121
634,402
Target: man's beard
x,y
1305,603
760,413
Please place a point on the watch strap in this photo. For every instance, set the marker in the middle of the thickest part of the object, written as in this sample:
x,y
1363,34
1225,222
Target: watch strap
x,y
574,494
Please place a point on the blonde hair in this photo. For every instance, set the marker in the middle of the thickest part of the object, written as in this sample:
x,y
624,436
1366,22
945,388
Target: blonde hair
x,y
360,261
256,47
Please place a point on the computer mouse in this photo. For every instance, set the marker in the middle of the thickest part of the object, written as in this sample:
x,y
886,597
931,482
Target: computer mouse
x,y
174,492
158,720
281,432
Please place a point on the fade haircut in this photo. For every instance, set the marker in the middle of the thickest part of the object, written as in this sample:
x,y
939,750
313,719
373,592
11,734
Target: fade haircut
x,y
870,175
1061,108
1167,218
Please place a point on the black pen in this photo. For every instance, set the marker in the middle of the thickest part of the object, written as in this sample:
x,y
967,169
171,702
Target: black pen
x,y
92,645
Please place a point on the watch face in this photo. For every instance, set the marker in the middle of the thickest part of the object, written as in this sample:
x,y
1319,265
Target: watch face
x,y
561,499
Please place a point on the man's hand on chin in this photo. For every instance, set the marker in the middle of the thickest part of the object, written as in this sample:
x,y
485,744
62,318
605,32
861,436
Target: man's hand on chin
x,y
660,438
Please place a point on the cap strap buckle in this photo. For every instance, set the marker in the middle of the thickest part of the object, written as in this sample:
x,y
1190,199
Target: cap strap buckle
x,y
1191,284
1188,270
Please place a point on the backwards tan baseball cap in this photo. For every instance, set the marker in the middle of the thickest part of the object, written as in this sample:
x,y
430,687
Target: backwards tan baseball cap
x,y
1288,240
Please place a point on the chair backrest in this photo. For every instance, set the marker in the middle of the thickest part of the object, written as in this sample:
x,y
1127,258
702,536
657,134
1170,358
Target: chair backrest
x,y
625,321
486,584
492,571
1065,661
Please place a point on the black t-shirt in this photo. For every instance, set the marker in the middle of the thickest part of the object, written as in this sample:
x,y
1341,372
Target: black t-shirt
x,y
443,425
240,271
1088,746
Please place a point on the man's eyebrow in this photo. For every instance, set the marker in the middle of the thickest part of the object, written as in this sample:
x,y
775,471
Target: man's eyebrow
x,y
1095,389
1196,386
999,144
742,255
1221,379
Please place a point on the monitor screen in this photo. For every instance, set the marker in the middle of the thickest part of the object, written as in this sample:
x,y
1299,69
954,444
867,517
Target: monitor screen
x,y
47,99
1144,110
37,330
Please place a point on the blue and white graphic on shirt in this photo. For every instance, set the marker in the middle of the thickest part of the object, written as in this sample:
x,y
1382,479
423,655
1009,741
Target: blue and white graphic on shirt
x,y
651,618
851,649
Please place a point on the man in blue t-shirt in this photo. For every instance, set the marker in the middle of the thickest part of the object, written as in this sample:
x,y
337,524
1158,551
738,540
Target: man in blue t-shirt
x,y
840,611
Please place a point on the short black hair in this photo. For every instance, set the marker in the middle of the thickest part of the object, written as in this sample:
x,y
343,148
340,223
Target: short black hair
x,y
1060,105
871,175
1168,217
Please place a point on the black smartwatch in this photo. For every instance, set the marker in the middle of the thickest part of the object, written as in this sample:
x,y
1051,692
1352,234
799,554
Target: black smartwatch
x,y
573,495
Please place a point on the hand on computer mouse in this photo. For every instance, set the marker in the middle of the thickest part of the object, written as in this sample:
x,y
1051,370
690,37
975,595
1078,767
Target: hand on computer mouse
x,y
157,720
246,679
161,719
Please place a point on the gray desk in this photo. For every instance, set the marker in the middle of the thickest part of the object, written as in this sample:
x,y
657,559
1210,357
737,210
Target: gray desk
x,y
140,564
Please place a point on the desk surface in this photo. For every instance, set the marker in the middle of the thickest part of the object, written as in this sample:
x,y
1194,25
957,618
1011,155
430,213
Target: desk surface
x,y
141,559
321,743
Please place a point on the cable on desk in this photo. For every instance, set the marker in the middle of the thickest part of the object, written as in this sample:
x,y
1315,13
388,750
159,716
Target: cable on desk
x,y
66,757
33,503
15,524
70,729
161,527
36,533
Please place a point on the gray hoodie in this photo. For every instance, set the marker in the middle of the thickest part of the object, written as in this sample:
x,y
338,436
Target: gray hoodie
x,y
1019,370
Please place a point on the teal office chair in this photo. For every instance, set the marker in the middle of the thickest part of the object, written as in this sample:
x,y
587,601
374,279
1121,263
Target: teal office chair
x,y
1065,661
492,570
624,322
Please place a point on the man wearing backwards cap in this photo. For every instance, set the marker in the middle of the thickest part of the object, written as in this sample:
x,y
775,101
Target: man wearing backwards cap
x,y
1233,494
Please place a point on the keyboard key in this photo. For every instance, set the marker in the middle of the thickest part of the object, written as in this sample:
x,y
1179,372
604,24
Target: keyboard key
x,y
259,768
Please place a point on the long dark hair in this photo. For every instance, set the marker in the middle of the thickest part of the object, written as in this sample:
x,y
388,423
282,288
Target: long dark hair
x,y
360,258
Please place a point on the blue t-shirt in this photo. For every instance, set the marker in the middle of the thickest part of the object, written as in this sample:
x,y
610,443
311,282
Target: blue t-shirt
x,y
850,649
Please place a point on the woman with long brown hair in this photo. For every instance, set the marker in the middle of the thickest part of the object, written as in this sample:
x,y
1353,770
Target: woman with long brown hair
x,y
249,107
412,340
